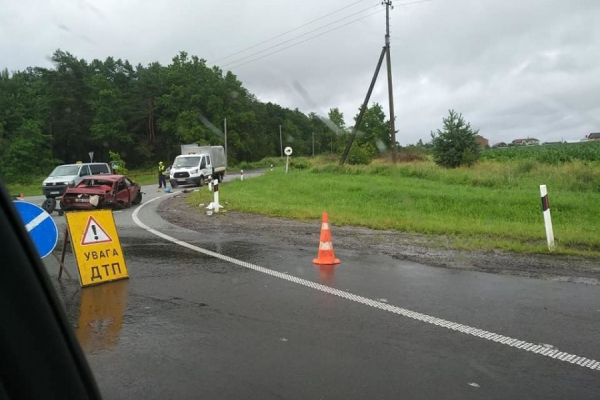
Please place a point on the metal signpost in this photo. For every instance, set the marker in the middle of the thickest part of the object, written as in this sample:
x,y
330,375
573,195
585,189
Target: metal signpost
x,y
288,153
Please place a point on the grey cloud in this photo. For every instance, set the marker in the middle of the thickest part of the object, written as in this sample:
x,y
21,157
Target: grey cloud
x,y
513,68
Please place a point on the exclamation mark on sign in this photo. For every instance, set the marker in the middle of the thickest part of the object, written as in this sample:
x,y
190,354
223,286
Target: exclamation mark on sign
x,y
95,233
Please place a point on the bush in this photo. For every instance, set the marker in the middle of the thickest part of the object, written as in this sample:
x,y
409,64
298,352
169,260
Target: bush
x,y
362,154
299,163
456,144
121,168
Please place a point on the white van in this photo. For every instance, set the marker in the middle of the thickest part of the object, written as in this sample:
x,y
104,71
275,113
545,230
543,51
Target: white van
x,y
70,175
196,164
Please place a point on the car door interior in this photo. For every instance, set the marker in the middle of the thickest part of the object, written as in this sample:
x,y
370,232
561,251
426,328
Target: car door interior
x,y
40,357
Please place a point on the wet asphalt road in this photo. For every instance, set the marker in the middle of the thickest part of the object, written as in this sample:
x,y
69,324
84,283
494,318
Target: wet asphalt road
x,y
189,326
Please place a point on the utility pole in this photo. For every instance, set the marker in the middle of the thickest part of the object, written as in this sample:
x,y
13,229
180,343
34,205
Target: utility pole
x,y
363,108
388,4
280,141
385,52
225,130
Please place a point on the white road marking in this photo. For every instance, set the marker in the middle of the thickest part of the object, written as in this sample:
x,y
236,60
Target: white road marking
x,y
36,221
493,337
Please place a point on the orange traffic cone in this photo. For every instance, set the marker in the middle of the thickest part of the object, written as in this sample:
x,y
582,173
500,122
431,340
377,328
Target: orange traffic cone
x,y
325,255
21,197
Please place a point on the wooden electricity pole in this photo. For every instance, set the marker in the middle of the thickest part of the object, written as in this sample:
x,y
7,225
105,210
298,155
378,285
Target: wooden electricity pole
x,y
388,57
385,52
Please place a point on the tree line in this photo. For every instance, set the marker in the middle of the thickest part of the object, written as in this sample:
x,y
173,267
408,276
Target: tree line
x,y
50,116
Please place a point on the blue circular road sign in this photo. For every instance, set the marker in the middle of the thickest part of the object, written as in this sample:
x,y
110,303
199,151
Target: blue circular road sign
x,y
40,225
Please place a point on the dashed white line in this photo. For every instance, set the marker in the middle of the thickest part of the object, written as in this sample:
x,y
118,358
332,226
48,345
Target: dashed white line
x,y
491,336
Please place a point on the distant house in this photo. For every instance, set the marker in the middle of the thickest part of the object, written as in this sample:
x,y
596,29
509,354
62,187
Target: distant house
x,y
593,136
501,144
525,142
483,142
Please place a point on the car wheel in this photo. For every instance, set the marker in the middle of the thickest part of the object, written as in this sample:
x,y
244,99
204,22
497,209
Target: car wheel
x,y
173,184
138,199
49,205
201,181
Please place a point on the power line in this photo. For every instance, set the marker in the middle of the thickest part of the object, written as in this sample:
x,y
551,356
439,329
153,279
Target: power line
x,y
285,33
306,40
413,2
298,37
316,36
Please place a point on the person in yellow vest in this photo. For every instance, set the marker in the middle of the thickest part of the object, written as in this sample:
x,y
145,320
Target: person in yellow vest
x,y
162,181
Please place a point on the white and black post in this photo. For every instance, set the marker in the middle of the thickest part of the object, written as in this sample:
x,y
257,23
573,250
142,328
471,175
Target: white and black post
x,y
547,218
288,153
241,175
216,205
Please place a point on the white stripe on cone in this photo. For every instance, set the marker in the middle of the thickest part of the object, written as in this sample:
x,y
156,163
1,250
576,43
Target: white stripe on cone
x,y
325,246
325,226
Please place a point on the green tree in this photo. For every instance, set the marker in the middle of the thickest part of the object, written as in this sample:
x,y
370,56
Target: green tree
x,y
28,155
456,144
339,134
374,129
109,108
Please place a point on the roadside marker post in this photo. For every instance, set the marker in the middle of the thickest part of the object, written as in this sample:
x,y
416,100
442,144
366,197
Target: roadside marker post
x,y
216,205
547,217
271,167
241,175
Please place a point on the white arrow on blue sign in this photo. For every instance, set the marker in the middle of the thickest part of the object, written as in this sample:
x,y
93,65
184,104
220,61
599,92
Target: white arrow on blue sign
x,y
40,225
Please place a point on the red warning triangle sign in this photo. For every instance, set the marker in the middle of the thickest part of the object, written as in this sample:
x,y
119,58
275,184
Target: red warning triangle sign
x,y
94,233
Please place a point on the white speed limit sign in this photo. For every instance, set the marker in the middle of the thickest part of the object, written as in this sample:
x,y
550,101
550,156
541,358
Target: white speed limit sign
x,y
288,151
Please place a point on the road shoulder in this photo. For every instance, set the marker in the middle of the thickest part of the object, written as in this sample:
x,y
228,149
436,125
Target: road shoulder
x,y
400,245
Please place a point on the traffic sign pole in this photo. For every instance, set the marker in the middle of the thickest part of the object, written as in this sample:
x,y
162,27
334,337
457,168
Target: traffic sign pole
x,y
288,153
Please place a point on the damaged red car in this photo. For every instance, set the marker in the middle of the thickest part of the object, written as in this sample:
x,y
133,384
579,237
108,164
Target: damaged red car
x,y
102,191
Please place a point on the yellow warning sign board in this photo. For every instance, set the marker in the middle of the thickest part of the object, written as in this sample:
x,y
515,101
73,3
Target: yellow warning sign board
x,y
96,247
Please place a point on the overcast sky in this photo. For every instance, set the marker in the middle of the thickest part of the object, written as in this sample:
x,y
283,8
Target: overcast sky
x,y
513,68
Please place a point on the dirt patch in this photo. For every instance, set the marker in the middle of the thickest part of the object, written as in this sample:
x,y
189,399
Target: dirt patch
x,y
406,246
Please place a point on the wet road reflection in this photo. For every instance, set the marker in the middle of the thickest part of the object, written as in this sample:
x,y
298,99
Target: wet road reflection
x,y
101,313
326,274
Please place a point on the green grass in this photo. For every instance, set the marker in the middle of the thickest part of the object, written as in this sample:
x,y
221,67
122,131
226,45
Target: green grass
x,y
492,206
26,190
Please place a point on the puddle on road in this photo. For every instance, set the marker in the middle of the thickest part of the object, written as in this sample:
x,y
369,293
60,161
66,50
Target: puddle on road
x,y
177,257
326,274
101,312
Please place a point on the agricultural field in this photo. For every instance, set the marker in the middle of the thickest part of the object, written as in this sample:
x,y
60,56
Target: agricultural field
x,y
548,154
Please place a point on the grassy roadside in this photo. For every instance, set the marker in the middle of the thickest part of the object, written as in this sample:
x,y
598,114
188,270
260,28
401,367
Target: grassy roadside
x,y
492,206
